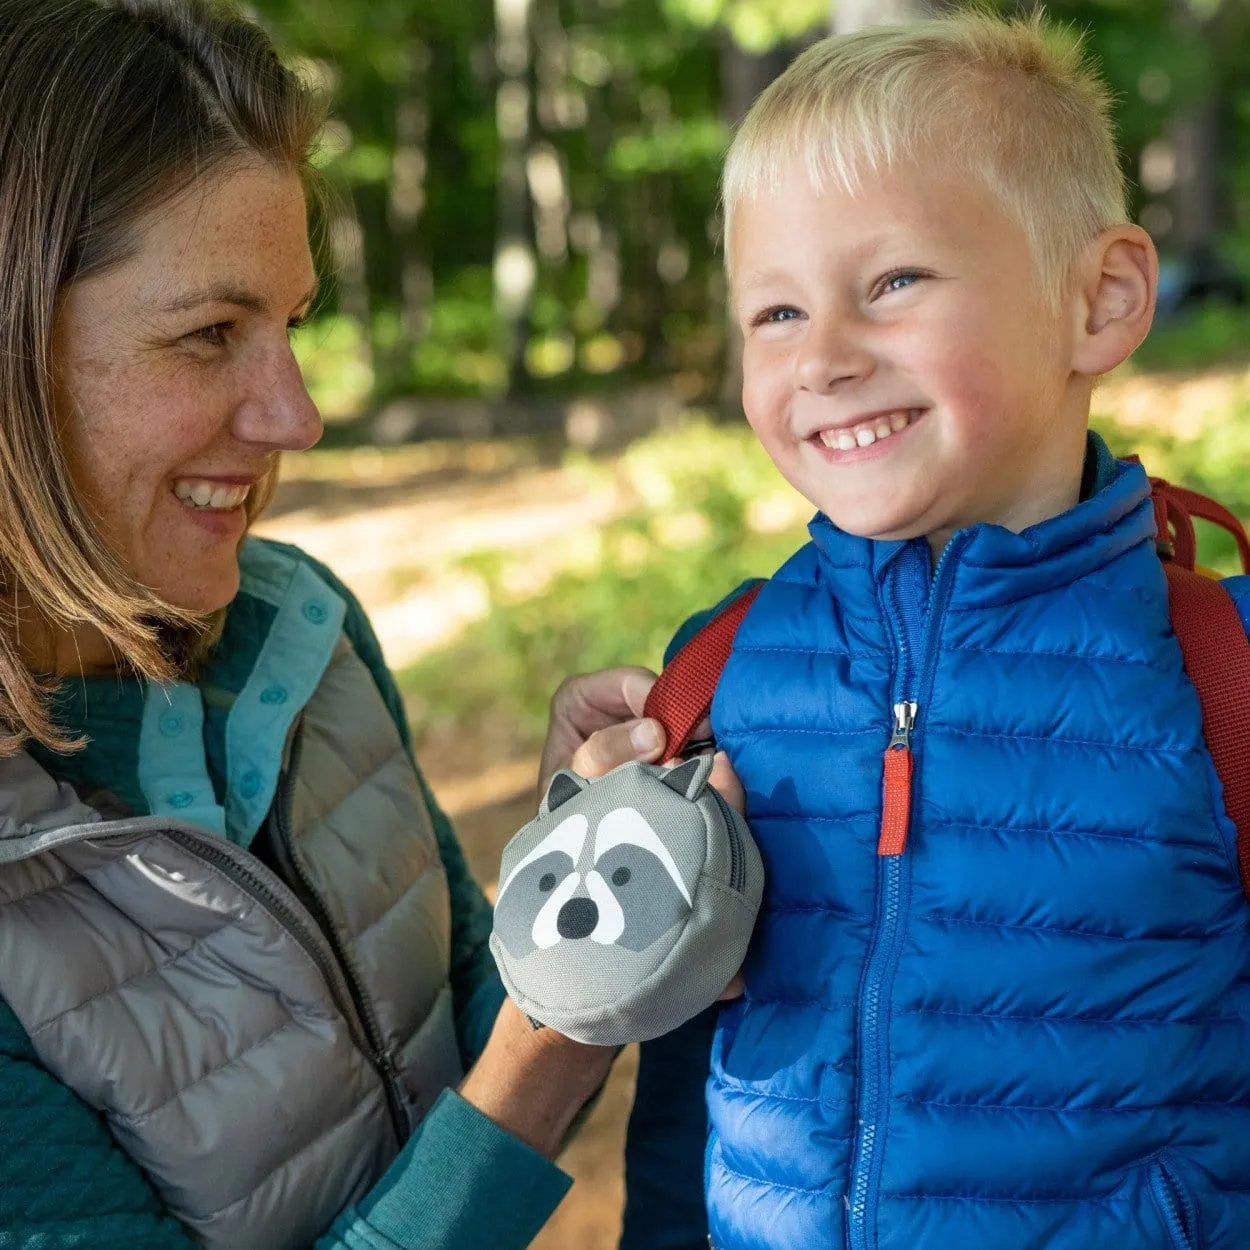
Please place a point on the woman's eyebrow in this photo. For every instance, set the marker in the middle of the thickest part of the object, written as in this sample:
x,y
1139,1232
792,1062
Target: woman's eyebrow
x,y
227,293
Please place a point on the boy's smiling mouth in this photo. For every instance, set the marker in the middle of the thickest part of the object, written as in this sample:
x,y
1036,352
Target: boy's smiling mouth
x,y
867,430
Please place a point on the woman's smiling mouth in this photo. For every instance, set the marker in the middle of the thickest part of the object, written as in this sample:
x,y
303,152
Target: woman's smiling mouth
x,y
204,493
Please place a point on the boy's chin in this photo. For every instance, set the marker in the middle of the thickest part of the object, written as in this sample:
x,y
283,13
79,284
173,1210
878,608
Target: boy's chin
x,y
876,528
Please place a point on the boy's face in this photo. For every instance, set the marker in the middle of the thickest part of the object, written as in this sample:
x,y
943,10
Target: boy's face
x,y
901,365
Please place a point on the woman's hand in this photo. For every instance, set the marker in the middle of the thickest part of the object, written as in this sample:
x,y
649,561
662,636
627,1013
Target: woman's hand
x,y
597,723
532,1082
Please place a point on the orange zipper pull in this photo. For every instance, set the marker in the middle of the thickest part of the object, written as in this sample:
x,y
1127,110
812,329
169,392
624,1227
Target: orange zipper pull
x,y
896,800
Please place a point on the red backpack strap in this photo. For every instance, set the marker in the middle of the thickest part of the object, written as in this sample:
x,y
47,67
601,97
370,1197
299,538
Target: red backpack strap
x,y
1214,645
682,694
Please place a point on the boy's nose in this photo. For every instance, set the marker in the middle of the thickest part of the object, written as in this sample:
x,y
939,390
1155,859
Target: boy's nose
x,y
827,358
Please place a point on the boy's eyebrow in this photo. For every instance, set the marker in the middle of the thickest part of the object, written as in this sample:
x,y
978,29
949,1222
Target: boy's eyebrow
x,y
757,278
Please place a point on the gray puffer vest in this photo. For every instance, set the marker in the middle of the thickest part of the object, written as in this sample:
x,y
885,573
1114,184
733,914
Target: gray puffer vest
x,y
260,1049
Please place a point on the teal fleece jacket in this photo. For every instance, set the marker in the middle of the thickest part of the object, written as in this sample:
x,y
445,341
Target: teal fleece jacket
x,y
460,1183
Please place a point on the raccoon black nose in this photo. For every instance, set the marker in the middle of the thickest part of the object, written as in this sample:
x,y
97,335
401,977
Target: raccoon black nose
x,y
577,918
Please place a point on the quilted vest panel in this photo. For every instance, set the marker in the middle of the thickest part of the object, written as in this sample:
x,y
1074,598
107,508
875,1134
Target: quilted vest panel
x,y
1031,1030
261,1050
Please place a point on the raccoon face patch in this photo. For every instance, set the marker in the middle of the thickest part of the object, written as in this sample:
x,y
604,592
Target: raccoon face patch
x,y
627,903
617,886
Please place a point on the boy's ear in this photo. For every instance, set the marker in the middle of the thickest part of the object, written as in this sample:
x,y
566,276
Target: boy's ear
x,y
1118,277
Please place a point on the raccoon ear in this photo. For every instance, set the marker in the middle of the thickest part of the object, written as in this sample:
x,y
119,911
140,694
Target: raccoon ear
x,y
563,786
688,779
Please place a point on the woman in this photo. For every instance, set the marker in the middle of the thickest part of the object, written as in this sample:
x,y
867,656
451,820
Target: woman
x,y
242,962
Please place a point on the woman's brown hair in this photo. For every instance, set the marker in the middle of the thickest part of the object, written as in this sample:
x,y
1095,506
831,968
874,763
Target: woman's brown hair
x,y
108,109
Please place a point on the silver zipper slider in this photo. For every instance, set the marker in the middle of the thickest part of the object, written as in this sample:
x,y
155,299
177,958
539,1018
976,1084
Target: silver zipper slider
x,y
904,721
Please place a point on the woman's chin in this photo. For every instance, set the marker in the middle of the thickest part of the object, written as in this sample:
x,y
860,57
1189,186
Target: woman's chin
x,y
208,592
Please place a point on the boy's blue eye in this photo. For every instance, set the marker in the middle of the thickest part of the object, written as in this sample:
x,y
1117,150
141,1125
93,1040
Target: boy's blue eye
x,y
776,315
899,280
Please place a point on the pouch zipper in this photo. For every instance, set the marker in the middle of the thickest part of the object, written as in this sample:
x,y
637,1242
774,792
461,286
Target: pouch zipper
x,y
737,856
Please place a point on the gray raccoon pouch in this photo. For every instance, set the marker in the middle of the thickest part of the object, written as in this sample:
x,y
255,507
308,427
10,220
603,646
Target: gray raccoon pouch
x,y
626,905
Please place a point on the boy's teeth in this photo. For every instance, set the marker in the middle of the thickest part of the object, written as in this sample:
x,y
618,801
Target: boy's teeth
x,y
865,435
200,494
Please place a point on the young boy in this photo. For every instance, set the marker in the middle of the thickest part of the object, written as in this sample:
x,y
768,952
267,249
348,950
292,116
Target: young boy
x,y
998,997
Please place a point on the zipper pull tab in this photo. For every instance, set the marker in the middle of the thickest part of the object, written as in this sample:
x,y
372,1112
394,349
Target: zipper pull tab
x,y
904,720
896,798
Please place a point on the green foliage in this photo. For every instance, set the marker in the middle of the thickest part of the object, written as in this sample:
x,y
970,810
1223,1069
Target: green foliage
x,y
687,541
1214,464
626,107
1212,334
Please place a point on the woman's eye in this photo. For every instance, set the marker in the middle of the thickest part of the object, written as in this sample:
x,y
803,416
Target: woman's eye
x,y
214,335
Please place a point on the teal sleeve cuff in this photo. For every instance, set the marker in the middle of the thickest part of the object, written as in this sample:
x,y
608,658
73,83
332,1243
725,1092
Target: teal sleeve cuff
x,y
461,1183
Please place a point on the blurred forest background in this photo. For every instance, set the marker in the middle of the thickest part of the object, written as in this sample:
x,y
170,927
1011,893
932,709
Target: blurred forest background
x,y
535,461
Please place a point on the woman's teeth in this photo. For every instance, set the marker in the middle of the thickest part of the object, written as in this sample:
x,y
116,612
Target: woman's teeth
x,y
199,494
864,435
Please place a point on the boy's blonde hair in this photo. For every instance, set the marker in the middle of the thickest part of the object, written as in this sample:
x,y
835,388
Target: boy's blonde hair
x,y
1015,104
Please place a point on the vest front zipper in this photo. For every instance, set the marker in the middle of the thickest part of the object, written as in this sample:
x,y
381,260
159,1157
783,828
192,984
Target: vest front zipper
x,y
223,857
896,790
374,1043
916,630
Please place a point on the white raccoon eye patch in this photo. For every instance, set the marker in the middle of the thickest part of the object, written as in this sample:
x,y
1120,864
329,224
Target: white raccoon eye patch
x,y
568,837
626,826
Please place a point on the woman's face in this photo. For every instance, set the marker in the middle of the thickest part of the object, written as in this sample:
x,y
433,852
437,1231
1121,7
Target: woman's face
x,y
175,385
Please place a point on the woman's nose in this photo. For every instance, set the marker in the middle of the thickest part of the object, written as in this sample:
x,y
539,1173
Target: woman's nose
x,y
828,357
279,412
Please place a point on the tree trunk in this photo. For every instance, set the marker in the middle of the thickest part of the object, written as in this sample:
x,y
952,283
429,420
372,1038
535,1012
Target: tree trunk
x,y
743,75
1195,142
405,200
515,266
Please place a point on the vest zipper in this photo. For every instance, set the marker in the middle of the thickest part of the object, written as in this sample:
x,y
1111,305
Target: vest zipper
x,y
896,791
916,632
287,908
262,891
373,1043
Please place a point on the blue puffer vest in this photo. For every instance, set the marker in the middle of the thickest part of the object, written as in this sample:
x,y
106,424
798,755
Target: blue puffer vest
x,y
1031,1029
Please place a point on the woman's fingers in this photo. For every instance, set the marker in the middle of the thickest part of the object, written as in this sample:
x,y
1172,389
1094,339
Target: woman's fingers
x,y
603,751
589,704
724,779
735,989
